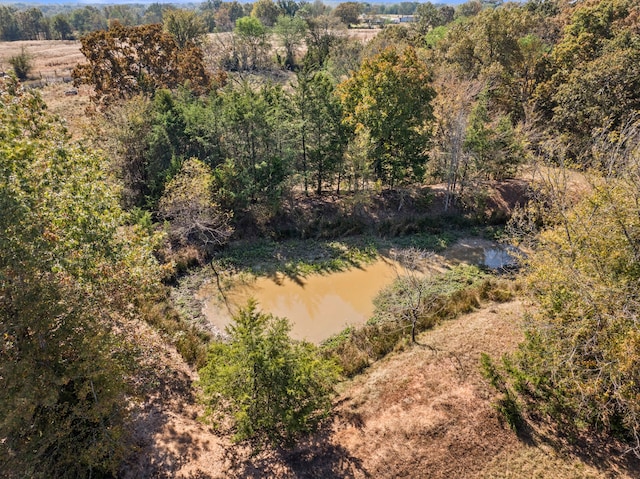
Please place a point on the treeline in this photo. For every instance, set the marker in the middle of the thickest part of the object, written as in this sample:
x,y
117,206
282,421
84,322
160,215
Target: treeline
x,y
65,22
459,100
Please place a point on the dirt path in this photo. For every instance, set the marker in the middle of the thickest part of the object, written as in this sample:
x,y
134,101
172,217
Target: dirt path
x,y
424,412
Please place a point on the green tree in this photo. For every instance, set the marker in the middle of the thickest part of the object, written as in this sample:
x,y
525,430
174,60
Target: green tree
x,y
290,31
252,44
70,269
289,7
186,26
429,17
126,61
22,63
121,14
266,11
61,27
595,81
33,24
88,19
493,145
9,28
501,48
255,145
390,99
273,387
154,13
323,33
323,136
348,12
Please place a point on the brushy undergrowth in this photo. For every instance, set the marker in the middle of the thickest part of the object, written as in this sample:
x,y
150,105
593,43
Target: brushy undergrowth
x,y
189,340
435,299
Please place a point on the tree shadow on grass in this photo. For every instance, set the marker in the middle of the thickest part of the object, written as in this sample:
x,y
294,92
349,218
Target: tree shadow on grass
x,y
311,457
596,449
179,446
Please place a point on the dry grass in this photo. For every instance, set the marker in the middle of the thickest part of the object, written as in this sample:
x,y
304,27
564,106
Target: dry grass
x,y
425,412
53,60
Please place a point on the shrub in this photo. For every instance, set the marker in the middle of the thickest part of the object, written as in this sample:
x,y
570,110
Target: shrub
x,y
272,386
21,64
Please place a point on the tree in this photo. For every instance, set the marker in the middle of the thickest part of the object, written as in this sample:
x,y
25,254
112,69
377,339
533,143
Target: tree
x,y
323,135
501,48
323,33
273,387
21,64
186,27
70,269
390,98
252,44
33,24
291,32
187,203
266,11
289,7
122,14
430,17
492,144
62,27
227,15
126,61
595,74
469,9
452,107
154,13
579,361
348,12
88,19
9,28
256,135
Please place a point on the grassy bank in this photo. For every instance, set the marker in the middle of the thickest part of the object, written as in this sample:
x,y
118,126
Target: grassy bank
x,y
242,261
415,303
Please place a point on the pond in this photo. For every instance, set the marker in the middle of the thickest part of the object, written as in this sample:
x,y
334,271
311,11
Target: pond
x,y
320,306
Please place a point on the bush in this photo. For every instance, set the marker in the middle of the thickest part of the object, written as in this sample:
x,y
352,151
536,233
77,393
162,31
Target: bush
x,y
273,387
22,64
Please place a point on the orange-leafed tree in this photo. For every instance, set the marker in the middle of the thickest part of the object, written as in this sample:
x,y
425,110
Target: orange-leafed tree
x,y
127,61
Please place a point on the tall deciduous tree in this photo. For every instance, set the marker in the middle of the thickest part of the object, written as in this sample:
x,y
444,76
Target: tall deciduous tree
x,y
390,98
69,270
186,26
187,203
266,11
125,61
348,12
290,31
251,44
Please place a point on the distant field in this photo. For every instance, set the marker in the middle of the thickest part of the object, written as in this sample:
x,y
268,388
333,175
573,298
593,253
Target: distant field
x,y
53,60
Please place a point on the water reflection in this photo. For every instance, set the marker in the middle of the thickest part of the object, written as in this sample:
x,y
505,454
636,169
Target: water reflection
x,y
319,306
322,305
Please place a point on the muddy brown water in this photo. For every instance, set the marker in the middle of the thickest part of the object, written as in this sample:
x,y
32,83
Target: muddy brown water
x,y
320,306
